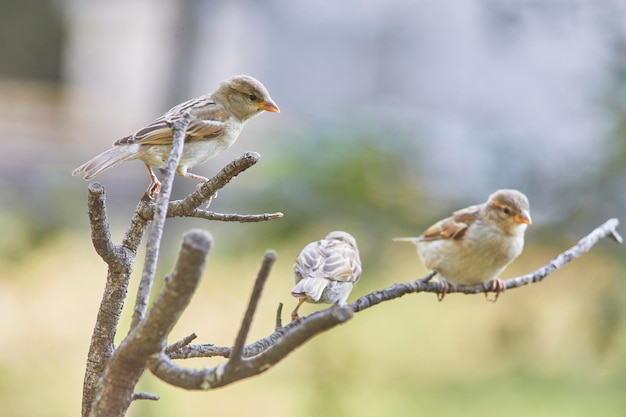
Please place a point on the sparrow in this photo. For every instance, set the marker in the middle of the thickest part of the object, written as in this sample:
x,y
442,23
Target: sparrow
x,y
476,243
215,123
325,271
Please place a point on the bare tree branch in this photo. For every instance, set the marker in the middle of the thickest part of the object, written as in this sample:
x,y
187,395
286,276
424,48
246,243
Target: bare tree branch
x,y
100,231
145,396
181,343
189,207
265,345
153,245
208,378
112,374
163,367
148,338
241,218
119,260
240,341
213,185
138,224
608,229
279,315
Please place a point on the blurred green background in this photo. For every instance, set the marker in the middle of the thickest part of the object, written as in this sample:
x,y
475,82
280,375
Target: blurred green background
x,y
393,114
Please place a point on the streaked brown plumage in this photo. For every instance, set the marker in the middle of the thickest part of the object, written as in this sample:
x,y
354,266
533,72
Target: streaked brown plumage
x,y
326,270
215,123
476,243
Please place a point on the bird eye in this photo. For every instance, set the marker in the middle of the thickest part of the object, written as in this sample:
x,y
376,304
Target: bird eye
x,y
253,97
506,210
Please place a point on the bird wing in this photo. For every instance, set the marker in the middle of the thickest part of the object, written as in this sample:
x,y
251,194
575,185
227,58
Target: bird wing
x,y
329,259
207,121
453,227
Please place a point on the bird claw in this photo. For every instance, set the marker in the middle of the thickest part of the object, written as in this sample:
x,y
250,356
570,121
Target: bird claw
x,y
498,286
445,287
210,199
294,314
153,190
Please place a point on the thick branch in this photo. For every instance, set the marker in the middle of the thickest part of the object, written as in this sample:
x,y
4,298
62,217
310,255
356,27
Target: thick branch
x,y
168,371
176,294
120,258
149,336
208,378
138,224
100,231
153,245
120,261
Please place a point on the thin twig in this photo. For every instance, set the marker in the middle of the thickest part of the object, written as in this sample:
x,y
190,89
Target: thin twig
x,y
214,184
145,396
179,130
608,229
241,218
291,338
279,318
244,329
181,343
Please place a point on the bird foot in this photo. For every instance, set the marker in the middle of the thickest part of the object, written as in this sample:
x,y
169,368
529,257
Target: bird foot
x,y
445,287
498,286
210,199
153,190
294,313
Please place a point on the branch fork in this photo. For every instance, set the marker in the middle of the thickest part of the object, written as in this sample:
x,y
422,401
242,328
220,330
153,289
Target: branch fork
x,y
113,372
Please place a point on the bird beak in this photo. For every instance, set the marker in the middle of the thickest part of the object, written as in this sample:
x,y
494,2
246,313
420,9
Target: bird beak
x,y
523,217
269,105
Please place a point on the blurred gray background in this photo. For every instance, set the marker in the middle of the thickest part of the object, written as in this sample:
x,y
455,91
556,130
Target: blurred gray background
x,y
394,113
443,101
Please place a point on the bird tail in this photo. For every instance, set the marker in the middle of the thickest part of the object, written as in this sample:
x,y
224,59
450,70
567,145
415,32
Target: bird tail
x,y
105,160
311,288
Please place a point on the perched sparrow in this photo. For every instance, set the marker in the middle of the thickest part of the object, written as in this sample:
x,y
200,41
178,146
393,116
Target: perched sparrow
x,y
477,243
325,271
215,123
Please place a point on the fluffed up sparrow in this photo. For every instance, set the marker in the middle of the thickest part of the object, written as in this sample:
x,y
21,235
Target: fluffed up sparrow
x,y
215,123
476,243
325,271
